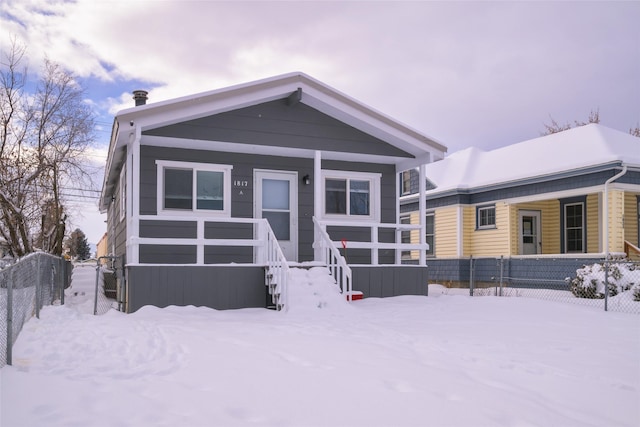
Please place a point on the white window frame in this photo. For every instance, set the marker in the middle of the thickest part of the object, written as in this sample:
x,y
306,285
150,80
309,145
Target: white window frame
x,y
123,192
583,228
374,194
432,248
194,167
478,216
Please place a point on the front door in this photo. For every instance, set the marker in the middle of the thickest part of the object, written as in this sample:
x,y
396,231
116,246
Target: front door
x,y
276,199
530,242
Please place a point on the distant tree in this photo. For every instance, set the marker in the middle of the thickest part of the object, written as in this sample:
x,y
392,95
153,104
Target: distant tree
x,y
555,127
78,246
45,129
594,117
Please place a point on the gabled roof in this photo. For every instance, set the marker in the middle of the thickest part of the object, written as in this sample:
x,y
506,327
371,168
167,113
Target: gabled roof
x,y
581,148
129,123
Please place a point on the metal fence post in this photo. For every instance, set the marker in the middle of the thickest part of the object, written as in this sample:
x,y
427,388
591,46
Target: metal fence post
x,y
501,272
471,275
10,315
38,288
606,285
95,298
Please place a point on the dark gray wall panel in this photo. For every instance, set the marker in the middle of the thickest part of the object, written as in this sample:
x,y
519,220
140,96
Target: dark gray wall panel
x,y
277,124
228,254
210,286
389,281
167,254
169,229
221,230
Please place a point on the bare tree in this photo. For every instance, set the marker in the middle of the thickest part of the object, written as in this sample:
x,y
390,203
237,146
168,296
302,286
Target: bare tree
x,y
44,136
635,131
555,127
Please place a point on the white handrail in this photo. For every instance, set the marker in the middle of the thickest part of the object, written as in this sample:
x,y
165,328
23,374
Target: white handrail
x,y
335,262
278,267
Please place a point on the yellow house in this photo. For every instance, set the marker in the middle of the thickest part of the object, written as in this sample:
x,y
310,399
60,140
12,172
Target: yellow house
x,y
573,194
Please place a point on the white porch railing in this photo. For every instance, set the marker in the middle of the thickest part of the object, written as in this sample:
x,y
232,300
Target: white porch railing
x,y
327,252
267,250
374,245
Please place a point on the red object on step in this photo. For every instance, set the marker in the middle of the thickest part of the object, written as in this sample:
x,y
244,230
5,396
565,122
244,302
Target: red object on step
x,y
355,295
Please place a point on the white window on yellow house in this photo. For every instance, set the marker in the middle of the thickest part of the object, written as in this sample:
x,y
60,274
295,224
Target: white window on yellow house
x,y
405,235
574,228
486,217
430,234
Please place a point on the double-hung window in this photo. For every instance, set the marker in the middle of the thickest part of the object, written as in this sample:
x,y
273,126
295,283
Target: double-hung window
x,y
194,187
574,228
351,194
430,234
486,217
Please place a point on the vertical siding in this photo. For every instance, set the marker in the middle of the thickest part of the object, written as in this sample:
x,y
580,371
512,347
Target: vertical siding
x,y
446,229
631,217
593,223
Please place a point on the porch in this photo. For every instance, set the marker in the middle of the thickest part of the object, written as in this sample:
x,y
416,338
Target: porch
x,y
230,263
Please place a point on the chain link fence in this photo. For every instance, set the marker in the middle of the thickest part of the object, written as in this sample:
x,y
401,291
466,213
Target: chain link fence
x,y
611,285
34,281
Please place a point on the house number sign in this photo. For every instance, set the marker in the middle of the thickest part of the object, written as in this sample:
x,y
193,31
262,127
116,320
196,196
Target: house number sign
x,y
240,183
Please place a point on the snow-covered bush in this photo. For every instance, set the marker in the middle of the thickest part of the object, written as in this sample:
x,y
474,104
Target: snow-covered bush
x,y
590,280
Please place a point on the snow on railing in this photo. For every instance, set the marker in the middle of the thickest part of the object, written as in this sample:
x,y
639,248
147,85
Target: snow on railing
x,y
327,252
277,267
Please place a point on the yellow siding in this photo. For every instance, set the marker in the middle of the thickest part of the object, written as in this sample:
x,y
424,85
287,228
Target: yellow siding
x,y
616,227
593,224
631,218
446,230
489,242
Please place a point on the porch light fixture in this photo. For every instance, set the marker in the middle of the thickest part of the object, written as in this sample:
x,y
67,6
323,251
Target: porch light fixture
x,y
306,179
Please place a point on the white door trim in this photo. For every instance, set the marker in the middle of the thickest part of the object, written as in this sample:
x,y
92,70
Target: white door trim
x,y
289,247
537,236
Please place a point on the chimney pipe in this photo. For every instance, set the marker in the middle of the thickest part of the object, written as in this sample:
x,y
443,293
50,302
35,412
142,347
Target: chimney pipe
x,y
140,96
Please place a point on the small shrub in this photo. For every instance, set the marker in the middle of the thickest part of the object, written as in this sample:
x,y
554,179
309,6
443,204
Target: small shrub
x,y
590,281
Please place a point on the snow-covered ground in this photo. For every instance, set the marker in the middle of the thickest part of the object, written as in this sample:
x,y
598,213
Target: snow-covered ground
x,y
442,360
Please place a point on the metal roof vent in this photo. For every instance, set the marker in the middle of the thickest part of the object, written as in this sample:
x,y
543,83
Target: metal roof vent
x,y
140,96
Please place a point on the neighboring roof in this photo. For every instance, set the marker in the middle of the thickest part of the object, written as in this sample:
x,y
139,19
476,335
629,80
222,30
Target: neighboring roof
x,y
583,147
132,121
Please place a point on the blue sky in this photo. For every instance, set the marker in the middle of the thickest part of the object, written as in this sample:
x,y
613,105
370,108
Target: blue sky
x,y
483,74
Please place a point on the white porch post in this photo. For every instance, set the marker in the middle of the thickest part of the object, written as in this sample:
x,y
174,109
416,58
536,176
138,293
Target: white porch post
x,y
317,199
133,201
422,207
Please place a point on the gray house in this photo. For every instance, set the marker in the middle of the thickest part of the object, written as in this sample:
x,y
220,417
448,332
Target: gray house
x,y
212,197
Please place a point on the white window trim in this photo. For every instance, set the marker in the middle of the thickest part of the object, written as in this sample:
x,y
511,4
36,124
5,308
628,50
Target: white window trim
x,y
495,219
583,227
374,195
123,193
207,167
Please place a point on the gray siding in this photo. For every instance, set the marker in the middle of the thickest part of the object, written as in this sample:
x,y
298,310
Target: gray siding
x,y
277,124
242,204
217,287
489,194
390,281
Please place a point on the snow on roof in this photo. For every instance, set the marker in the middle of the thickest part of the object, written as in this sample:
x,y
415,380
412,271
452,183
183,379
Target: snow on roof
x,y
578,148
